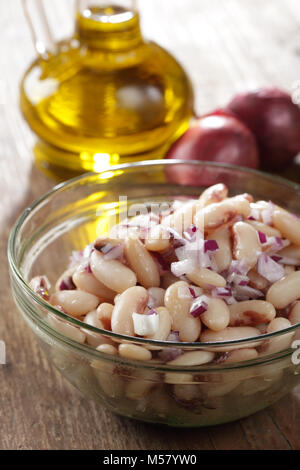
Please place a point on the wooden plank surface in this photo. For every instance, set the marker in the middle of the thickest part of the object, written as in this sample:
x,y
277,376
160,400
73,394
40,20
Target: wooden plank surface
x,y
226,46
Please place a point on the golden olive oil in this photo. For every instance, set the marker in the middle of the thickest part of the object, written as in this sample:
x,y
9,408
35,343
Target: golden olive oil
x,y
105,96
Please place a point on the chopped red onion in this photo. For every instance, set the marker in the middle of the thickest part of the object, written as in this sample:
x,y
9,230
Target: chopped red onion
x,y
67,284
262,237
114,252
246,293
210,245
269,269
199,306
168,354
239,267
88,268
190,232
193,293
237,279
222,292
152,312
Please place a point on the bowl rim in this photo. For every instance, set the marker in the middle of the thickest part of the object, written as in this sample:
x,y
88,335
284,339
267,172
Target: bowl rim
x,y
140,341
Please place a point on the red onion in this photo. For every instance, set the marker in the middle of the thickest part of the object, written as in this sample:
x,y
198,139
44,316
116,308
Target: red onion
x,y
152,312
199,306
114,252
215,137
239,267
169,354
246,293
269,269
275,121
262,237
193,293
67,284
210,245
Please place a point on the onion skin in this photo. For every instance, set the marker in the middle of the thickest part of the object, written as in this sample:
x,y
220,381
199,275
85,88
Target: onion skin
x,y
218,138
275,121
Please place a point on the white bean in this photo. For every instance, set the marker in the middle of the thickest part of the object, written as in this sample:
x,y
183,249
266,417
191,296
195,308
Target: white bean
x,y
203,277
132,300
140,385
215,215
279,343
223,256
288,225
75,302
215,193
86,281
132,351
158,239
182,218
104,314
112,273
193,358
284,291
66,329
107,349
257,281
95,339
291,251
142,263
251,313
241,355
189,328
217,316
109,380
264,228
246,244
231,333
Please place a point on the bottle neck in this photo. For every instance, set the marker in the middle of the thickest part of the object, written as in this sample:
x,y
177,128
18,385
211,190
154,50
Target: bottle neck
x,y
108,25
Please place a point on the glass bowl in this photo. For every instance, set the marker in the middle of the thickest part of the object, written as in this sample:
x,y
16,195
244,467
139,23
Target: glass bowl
x,y
72,215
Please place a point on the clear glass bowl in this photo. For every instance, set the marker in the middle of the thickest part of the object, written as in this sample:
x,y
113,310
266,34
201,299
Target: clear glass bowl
x,y
71,216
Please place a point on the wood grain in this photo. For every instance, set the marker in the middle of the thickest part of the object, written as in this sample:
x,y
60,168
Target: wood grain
x,y
226,46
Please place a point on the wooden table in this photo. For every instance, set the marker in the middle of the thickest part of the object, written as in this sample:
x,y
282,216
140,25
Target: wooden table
x,y
226,45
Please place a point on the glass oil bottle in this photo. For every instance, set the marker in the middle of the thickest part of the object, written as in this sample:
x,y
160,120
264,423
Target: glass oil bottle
x,y
105,95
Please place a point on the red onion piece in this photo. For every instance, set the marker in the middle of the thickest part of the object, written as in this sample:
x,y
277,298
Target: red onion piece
x,y
210,245
199,306
239,267
67,284
193,293
114,252
269,269
152,312
168,354
262,237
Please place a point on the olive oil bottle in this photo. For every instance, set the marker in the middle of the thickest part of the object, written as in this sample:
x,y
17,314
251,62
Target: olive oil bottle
x,y
104,96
